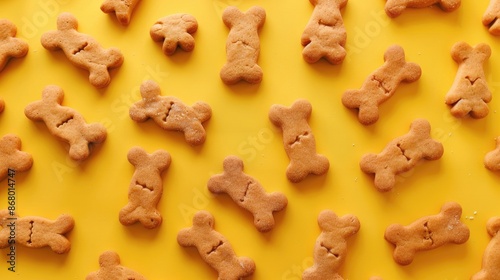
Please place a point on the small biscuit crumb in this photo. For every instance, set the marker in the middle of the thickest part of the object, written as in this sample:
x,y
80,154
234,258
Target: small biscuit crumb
x,y
394,8
490,268
175,31
469,93
121,8
242,45
110,268
427,233
10,46
12,157
331,246
37,232
214,248
248,193
325,34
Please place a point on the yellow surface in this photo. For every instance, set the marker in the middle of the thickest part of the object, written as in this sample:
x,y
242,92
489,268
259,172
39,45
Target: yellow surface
x,y
94,191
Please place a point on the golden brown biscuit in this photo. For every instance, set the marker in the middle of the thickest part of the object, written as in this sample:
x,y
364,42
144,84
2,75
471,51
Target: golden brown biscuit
x,y
36,232
214,248
491,258
469,93
427,233
491,16
402,154
394,8
248,193
82,50
298,140
381,85
66,123
2,105
325,35
11,156
331,246
10,46
170,113
146,187
121,8
175,31
242,45
492,158
110,268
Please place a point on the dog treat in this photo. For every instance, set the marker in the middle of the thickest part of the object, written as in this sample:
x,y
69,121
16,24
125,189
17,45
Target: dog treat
x,y
325,35
469,93
394,8
121,8
11,156
491,257
214,248
66,123
36,232
171,114
248,193
492,158
490,17
82,50
402,154
381,85
427,233
242,45
110,268
331,246
298,140
10,46
146,187
175,31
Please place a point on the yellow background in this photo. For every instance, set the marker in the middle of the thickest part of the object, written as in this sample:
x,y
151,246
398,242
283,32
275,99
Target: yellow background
x,y
93,192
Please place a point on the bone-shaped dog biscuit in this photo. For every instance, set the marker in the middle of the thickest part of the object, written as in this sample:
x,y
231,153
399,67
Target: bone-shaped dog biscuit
x,y
491,16
401,155
492,158
121,8
36,232
82,50
171,114
491,257
11,156
248,193
175,31
298,140
427,233
381,85
469,93
65,123
110,268
214,248
331,245
325,35
394,8
242,45
146,187
10,46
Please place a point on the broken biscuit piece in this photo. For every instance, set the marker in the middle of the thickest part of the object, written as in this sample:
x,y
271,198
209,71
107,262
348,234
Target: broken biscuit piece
x,y
11,156
491,16
427,233
10,46
394,8
175,31
110,268
121,8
